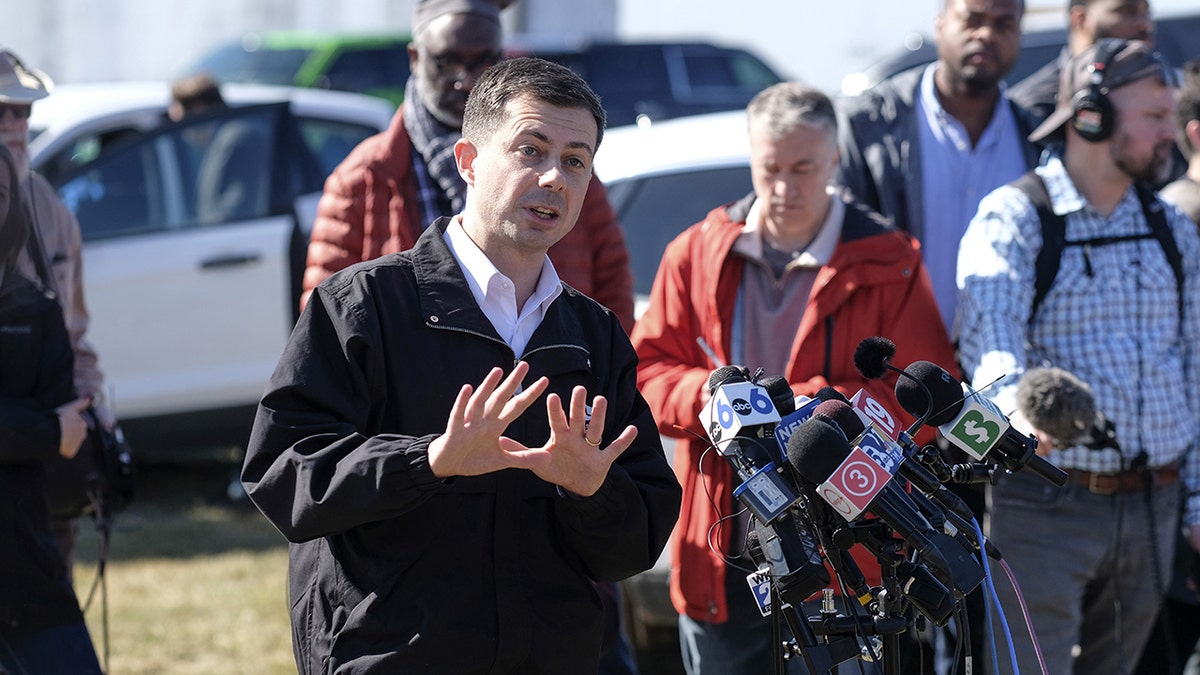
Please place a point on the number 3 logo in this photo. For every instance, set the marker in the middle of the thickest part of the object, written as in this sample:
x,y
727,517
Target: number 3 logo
x,y
859,479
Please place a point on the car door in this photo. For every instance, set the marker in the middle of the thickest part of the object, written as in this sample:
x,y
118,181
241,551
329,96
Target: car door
x,y
187,242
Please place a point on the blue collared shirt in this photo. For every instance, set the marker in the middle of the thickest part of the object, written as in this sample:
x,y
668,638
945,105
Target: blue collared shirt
x,y
955,176
1111,318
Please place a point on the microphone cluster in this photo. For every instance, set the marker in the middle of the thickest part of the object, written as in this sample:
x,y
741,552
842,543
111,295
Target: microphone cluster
x,y
824,474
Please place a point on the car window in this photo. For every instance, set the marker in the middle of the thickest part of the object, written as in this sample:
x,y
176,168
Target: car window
x,y
362,70
120,195
209,171
654,209
715,76
82,150
330,141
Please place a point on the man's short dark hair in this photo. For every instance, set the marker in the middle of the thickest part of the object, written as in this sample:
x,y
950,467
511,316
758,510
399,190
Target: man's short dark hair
x,y
526,76
1187,106
198,90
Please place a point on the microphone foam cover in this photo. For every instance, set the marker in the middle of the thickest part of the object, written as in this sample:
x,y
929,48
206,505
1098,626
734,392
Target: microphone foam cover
x,y
1056,402
871,356
726,374
781,394
831,394
945,390
843,416
816,449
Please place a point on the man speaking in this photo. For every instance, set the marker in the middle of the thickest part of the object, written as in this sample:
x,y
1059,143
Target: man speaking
x,y
453,440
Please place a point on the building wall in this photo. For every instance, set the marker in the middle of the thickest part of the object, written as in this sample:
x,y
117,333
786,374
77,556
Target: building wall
x,y
811,40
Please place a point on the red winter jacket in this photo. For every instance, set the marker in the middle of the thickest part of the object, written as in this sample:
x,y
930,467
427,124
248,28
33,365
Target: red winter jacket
x,y
875,284
370,208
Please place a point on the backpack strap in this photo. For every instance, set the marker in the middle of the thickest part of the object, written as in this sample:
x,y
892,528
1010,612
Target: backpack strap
x,y
1054,236
1156,218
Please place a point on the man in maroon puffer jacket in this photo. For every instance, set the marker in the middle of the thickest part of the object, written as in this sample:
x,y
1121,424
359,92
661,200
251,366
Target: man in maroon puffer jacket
x,y
396,183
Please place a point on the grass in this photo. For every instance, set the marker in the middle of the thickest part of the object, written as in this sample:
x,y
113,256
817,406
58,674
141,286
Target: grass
x,y
198,585
194,584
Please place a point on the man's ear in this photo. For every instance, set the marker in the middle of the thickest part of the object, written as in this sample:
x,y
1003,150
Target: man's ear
x,y
1192,129
413,56
465,153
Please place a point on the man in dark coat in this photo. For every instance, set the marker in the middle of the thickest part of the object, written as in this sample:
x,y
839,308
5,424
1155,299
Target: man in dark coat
x,y
441,521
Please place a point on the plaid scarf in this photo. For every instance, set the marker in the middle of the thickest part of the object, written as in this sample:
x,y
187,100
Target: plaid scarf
x,y
434,143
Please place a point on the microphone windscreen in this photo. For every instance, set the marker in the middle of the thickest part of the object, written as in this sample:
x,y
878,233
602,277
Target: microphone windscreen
x,y
726,374
871,356
1056,402
781,394
946,392
843,416
816,449
831,394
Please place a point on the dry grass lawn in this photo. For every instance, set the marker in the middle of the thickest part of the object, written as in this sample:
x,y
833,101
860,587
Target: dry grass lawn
x,y
195,585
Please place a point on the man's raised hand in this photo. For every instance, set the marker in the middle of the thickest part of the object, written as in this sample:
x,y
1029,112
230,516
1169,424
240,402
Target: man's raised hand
x,y
573,457
471,444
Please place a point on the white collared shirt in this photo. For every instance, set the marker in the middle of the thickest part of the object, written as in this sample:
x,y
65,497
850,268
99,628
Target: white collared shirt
x,y
496,294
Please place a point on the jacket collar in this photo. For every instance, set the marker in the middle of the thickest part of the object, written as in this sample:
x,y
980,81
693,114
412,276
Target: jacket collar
x,y
446,300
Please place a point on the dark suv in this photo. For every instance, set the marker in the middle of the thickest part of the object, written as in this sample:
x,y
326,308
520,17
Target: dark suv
x,y
660,79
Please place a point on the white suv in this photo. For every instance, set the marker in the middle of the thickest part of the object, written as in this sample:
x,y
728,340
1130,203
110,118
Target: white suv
x,y
190,309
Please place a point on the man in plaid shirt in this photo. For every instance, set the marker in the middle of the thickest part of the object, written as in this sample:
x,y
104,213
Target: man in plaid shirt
x,y
1091,557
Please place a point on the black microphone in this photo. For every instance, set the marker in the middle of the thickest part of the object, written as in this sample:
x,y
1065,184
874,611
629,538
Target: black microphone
x,y
872,359
1060,404
969,421
848,420
853,481
781,394
830,394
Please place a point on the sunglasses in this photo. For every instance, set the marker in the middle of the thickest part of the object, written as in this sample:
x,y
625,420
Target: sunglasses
x,y
18,110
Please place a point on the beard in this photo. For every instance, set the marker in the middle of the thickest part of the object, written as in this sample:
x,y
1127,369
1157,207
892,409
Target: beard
x,y
1150,170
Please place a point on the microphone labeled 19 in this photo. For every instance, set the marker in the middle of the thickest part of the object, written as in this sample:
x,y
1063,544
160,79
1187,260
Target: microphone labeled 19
x,y
978,427
871,410
736,406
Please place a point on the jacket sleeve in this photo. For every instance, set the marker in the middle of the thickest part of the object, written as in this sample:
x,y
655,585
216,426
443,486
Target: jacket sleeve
x,y
854,174
308,468
63,244
337,235
612,285
673,370
622,529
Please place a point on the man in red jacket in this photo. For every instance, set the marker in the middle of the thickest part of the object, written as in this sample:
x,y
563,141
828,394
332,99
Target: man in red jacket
x,y
394,184
789,279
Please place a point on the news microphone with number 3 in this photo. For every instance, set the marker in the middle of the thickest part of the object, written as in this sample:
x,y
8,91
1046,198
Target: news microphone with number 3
x,y
853,481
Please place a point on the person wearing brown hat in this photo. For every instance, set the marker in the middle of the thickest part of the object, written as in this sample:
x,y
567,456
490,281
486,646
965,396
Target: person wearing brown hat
x,y
1119,308
393,185
56,233
42,629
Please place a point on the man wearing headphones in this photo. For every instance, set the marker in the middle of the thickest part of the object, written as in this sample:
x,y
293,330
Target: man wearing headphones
x,y
1122,311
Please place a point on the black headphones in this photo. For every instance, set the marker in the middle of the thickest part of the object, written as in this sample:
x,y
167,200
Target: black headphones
x,y
1092,114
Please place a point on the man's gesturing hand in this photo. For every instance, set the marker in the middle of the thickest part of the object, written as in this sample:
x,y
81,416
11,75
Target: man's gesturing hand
x,y
573,458
471,445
